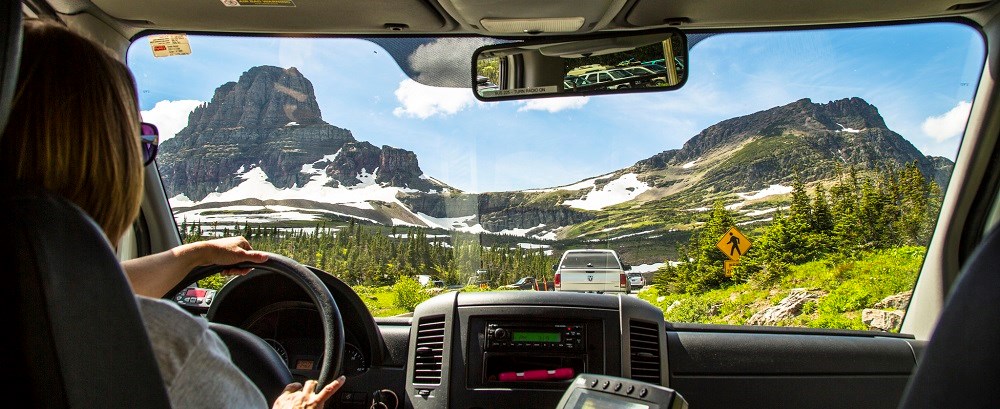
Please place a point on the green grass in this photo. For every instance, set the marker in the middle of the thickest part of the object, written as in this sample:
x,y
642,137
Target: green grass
x,y
379,300
847,286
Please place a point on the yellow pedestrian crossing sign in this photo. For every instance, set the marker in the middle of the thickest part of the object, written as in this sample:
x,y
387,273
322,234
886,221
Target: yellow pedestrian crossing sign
x,y
733,244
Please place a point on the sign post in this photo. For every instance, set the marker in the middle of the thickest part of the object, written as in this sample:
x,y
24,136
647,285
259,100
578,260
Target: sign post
x,y
733,244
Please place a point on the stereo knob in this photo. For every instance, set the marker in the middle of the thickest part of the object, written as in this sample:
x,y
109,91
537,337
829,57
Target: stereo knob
x,y
501,333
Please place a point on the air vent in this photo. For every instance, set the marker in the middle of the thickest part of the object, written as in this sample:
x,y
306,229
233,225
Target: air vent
x,y
645,346
429,351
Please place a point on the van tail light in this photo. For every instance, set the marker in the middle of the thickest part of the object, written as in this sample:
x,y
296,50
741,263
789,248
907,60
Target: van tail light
x,y
556,281
622,280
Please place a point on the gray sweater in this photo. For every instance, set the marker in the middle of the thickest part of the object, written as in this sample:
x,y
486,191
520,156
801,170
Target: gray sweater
x,y
194,362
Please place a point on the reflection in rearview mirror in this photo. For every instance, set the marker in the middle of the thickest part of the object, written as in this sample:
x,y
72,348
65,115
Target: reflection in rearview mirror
x,y
644,62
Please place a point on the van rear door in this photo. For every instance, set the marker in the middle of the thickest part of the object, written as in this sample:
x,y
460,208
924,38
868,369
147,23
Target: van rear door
x,y
591,271
591,280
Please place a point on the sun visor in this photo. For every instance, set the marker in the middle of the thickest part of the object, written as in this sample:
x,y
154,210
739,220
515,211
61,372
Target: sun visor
x,y
532,16
282,16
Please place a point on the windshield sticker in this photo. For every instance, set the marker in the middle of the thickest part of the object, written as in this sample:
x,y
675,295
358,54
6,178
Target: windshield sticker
x,y
258,3
519,91
167,45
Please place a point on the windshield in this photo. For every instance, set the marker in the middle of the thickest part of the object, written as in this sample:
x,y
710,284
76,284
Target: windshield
x,y
801,169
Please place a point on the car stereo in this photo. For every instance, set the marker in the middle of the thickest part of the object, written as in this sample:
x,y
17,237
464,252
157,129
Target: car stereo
x,y
510,336
591,391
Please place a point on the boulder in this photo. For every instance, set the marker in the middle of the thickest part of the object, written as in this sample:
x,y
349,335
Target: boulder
x,y
895,302
789,307
882,320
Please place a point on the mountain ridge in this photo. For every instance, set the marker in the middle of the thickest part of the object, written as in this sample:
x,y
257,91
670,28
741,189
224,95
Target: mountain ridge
x,y
261,143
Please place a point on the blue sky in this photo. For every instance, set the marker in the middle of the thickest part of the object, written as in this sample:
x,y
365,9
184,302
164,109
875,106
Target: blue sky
x,y
921,77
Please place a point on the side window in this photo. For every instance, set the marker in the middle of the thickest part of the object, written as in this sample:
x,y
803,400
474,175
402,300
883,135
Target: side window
x,y
604,77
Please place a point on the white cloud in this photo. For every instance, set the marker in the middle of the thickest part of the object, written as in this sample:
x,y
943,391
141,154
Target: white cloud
x,y
422,101
948,125
554,104
170,116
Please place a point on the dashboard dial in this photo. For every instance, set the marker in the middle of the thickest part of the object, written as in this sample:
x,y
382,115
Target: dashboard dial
x,y
280,349
355,362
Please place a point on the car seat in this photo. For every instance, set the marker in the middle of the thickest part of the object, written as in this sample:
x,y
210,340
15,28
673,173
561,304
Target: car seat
x,y
960,366
75,336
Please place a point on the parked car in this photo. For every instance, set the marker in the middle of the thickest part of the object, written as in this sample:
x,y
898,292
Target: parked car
x,y
636,280
430,281
605,76
573,81
648,74
591,270
484,84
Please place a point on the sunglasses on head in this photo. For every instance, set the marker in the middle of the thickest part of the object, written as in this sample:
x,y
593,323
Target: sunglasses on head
x,y
150,137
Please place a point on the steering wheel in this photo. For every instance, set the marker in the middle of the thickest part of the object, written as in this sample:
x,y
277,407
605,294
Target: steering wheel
x,y
333,325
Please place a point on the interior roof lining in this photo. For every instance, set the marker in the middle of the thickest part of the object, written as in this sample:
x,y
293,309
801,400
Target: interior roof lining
x,y
979,16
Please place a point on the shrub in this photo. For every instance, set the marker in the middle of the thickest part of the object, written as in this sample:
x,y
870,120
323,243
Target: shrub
x,y
409,293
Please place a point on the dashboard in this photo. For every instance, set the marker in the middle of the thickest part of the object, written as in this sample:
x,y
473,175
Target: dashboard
x,y
295,332
523,349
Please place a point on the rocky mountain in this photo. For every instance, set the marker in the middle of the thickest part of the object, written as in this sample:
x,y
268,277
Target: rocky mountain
x,y
260,151
269,121
749,162
754,151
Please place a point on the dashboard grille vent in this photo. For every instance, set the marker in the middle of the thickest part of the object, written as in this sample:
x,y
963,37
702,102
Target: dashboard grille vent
x,y
645,346
429,352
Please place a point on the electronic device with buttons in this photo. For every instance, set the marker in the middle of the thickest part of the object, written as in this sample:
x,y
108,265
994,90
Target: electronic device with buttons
x,y
589,391
525,337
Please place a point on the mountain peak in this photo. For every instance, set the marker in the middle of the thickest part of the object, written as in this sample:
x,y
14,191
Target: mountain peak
x,y
264,97
853,113
802,116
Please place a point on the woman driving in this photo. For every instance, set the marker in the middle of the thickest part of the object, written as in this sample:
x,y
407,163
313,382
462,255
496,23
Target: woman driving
x,y
74,130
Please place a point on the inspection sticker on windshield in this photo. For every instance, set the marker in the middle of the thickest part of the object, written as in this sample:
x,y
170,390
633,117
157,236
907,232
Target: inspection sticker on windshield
x,y
258,3
166,45
519,91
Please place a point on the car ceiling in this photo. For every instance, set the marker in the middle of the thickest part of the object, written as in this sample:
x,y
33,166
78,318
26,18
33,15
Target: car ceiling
x,y
507,18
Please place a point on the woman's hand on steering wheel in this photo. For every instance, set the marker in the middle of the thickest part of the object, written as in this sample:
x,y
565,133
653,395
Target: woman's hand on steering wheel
x,y
296,396
225,251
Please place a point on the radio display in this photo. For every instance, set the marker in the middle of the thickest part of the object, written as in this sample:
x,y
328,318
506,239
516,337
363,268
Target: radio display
x,y
519,336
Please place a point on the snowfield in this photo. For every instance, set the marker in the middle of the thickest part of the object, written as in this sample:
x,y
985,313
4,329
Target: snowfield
x,y
623,189
769,191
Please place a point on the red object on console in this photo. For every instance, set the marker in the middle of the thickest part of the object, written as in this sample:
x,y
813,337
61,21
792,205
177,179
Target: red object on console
x,y
537,375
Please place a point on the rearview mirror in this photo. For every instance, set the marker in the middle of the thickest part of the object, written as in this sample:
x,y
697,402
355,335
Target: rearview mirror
x,y
634,62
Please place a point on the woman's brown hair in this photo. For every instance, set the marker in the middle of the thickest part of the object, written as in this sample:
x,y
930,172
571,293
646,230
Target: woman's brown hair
x,y
74,126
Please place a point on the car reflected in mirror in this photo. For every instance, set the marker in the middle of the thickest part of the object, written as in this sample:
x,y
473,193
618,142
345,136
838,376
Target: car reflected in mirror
x,y
597,65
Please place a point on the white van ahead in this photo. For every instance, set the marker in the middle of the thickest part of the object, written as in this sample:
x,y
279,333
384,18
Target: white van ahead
x,y
592,270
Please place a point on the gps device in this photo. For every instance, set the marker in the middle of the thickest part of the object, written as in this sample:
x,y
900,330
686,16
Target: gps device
x,y
592,391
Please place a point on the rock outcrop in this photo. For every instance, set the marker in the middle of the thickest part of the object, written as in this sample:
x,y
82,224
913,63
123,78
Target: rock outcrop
x,y
887,314
270,119
787,308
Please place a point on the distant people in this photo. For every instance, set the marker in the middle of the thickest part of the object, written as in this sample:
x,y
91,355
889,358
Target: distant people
x,y
735,243
76,133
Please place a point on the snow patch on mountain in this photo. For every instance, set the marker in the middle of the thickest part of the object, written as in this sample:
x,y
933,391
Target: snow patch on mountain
x,y
848,130
691,164
623,189
583,184
769,191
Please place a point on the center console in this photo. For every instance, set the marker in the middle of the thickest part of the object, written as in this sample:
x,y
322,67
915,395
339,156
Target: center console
x,y
523,349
